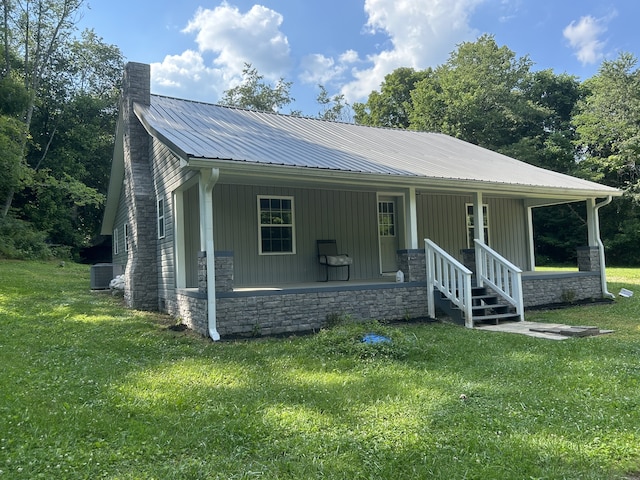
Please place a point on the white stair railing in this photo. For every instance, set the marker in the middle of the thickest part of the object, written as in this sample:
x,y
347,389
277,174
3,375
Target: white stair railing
x,y
451,278
501,275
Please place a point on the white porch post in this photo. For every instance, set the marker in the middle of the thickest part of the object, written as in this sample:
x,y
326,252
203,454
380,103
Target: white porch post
x,y
593,225
532,247
411,219
478,233
208,178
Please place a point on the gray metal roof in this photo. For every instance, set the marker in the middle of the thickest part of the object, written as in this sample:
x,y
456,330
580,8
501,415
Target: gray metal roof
x,y
207,131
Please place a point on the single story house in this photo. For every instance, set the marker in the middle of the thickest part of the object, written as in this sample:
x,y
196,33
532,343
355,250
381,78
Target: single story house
x,y
216,214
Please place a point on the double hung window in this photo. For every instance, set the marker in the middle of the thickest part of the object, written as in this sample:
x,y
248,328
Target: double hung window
x,y
276,225
471,229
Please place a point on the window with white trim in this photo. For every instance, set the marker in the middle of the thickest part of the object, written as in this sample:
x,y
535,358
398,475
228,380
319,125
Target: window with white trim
x,y
386,219
161,216
126,237
115,241
471,225
276,233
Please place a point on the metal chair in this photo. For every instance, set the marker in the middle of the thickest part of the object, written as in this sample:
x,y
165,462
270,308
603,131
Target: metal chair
x,y
329,257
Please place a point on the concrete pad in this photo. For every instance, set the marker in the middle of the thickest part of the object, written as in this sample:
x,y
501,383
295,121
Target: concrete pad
x,y
535,329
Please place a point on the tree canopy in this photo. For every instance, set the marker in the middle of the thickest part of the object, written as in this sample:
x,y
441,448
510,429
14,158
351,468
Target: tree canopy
x,y
486,95
58,99
254,93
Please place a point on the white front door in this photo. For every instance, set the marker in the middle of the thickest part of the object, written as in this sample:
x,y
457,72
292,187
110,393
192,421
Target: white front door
x,y
388,233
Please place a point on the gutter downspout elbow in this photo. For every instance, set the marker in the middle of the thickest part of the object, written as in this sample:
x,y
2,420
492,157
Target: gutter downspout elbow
x,y
209,178
603,273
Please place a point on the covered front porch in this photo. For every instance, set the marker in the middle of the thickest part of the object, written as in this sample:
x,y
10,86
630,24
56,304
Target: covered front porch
x,y
305,306
244,289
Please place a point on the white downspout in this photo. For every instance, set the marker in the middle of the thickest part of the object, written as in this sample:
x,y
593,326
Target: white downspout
x,y
208,179
603,273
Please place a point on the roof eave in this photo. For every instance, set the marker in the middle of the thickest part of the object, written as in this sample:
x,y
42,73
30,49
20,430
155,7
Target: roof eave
x,y
115,182
235,171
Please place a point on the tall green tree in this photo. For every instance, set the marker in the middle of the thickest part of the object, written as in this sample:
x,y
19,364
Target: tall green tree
x,y
72,128
547,136
13,100
607,122
391,106
333,108
254,93
34,31
476,96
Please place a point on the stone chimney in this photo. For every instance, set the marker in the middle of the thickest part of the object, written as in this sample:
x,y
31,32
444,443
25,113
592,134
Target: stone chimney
x,y
141,276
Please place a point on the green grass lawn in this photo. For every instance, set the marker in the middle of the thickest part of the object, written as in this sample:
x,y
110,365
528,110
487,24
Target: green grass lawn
x,y
91,390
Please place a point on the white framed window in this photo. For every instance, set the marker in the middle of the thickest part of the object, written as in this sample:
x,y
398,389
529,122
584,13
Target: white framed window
x,y
276,230
471,229
387,218
126,237
115,241
161,217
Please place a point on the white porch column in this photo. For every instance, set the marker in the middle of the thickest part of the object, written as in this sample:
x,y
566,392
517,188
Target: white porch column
x,y
532,247
593,224
478,234
478,217
208,178
411,219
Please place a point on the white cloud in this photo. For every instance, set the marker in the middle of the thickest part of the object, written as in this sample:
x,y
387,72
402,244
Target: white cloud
x,y
236,38
187,75
584,37
229,39
319,69
421,33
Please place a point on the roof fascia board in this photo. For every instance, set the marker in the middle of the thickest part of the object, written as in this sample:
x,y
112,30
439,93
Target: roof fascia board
x,y
116,179
235,172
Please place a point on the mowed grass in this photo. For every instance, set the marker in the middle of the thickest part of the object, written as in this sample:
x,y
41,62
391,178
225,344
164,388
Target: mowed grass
x,y
91,390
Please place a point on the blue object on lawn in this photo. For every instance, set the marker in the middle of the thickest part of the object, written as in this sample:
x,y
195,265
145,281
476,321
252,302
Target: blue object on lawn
x,y
375,338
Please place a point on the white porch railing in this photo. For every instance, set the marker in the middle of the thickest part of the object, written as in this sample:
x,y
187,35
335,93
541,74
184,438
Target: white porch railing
x,y
501,275
451,278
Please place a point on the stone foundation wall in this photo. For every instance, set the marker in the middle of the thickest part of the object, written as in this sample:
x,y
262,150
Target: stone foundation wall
x,y
268,313
547,289
191,308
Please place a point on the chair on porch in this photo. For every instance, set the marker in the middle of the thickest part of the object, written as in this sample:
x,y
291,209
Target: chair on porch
x,y
329,257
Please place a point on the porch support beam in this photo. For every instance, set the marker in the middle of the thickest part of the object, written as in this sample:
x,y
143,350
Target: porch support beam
x,y
478,217
478,233
208,179
593,227
531,244
411,219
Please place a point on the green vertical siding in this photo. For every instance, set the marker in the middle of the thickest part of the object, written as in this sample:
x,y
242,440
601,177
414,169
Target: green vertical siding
x,y
348,217
442,218
192,234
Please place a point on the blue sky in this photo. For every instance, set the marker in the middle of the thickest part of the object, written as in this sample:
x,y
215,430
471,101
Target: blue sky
x,y
197,48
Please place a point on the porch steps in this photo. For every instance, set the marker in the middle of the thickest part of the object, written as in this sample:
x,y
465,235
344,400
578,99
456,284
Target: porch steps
x,y
486,308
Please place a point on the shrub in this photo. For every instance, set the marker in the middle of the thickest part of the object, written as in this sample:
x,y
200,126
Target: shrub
x,y
19,240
